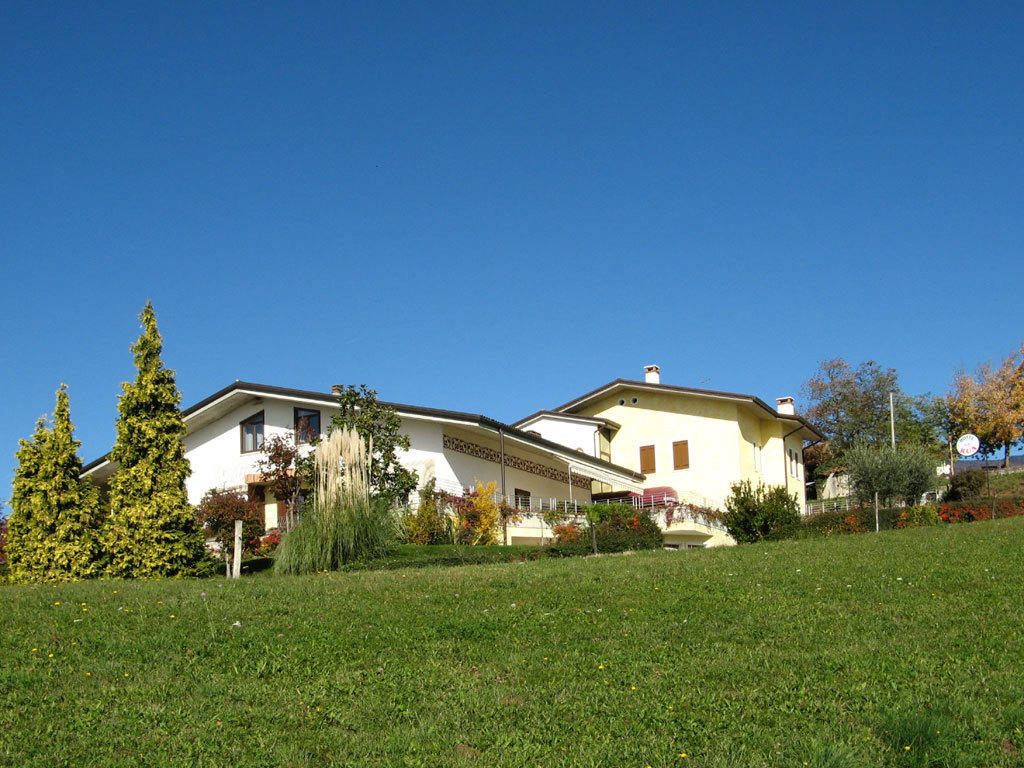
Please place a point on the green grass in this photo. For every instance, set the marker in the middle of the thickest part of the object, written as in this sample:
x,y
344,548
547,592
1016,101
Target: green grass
x,y
837,653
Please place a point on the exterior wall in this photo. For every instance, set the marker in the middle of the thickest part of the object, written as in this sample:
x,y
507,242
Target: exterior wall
x,y
577,435
722,436
214,452
659,419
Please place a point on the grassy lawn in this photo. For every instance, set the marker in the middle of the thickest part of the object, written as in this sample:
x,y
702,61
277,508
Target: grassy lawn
x,y
839,652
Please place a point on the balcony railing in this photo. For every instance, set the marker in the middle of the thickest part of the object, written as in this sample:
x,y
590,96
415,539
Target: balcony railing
x,y
664,507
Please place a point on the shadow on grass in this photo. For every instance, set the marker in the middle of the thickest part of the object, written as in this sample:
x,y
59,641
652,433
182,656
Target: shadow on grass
x,y
920,738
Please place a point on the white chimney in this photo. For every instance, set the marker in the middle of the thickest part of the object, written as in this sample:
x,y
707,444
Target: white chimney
x,y
785,406
652,374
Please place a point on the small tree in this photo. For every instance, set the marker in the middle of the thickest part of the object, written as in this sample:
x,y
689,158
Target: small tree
x,y
55,519
284,471
477,515
430,522
758,513
152,530
905,472
218,511
379,425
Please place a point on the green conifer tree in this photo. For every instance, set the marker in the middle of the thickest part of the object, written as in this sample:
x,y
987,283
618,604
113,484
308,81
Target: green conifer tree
x,y
55,513
25,526
152,530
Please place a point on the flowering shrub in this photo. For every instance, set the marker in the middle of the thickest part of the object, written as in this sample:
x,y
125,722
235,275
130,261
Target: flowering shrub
x,y
218,511
3,550
622,528
968,513
853,524
266,546
567,533
917,517
479,517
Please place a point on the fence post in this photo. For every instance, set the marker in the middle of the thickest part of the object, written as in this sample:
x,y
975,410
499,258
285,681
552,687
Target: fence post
x,y
236,566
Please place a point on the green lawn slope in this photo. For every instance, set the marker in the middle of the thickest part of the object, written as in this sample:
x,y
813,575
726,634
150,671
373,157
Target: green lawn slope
x,y
892,649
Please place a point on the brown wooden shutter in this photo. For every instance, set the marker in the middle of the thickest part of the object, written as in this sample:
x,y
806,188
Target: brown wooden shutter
x,y
681,454
647,459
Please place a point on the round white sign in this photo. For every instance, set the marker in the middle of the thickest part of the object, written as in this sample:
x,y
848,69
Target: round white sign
x,y
967,445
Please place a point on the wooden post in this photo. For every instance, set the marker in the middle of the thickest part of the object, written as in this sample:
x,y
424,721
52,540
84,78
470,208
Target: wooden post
x,y
878,525
237,564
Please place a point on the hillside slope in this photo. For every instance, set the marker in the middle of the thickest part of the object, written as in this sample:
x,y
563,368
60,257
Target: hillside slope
x,y
780,654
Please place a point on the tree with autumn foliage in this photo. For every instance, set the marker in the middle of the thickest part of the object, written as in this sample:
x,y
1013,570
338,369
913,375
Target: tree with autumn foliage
x,y
850,405
219,509
55,519
284,471
152,530
990,403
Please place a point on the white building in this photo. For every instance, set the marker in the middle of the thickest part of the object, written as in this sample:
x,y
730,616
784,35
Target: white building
x,y
225,432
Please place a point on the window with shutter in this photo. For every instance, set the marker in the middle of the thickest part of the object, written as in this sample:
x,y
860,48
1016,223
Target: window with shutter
x,y
681,454
647,459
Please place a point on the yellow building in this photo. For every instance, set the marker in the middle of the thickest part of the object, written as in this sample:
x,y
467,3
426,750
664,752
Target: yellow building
x,y
690,444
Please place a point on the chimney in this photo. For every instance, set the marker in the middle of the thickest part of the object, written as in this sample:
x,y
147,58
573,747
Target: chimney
x,y
652,374
785,406
336,389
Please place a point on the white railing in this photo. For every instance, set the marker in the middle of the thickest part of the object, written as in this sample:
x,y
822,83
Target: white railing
x,y
666,508
828,505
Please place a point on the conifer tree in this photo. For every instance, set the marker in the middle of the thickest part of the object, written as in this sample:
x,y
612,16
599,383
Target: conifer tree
x,y
25,526
55,513
152,530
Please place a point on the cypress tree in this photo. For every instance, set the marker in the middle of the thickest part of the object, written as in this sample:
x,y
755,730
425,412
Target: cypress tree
x,y
55,514
152,530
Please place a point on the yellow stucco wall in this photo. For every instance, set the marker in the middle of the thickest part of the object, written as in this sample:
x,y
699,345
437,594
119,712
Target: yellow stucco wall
x,y
721,436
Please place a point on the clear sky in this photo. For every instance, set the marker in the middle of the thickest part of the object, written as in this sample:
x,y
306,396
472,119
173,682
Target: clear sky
x,y
497,207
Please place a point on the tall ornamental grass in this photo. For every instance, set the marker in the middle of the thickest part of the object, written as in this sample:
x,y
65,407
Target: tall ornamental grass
x,y
345,524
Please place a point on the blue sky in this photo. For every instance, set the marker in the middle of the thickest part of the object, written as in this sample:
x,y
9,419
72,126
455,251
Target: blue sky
x,y
494,208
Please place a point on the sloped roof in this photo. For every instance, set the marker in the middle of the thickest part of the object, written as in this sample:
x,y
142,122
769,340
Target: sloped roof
x,y
620,384
475,419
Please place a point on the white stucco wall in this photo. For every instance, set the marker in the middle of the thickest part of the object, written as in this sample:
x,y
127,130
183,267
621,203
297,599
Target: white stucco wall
x,y
214,452
572,433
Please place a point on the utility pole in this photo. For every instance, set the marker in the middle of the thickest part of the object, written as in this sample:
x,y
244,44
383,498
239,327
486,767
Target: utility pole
x,y
892,419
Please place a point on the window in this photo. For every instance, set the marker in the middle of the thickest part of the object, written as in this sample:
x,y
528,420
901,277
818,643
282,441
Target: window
x,y
251,433
758,458
681,454
647,459
307,425
522,499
